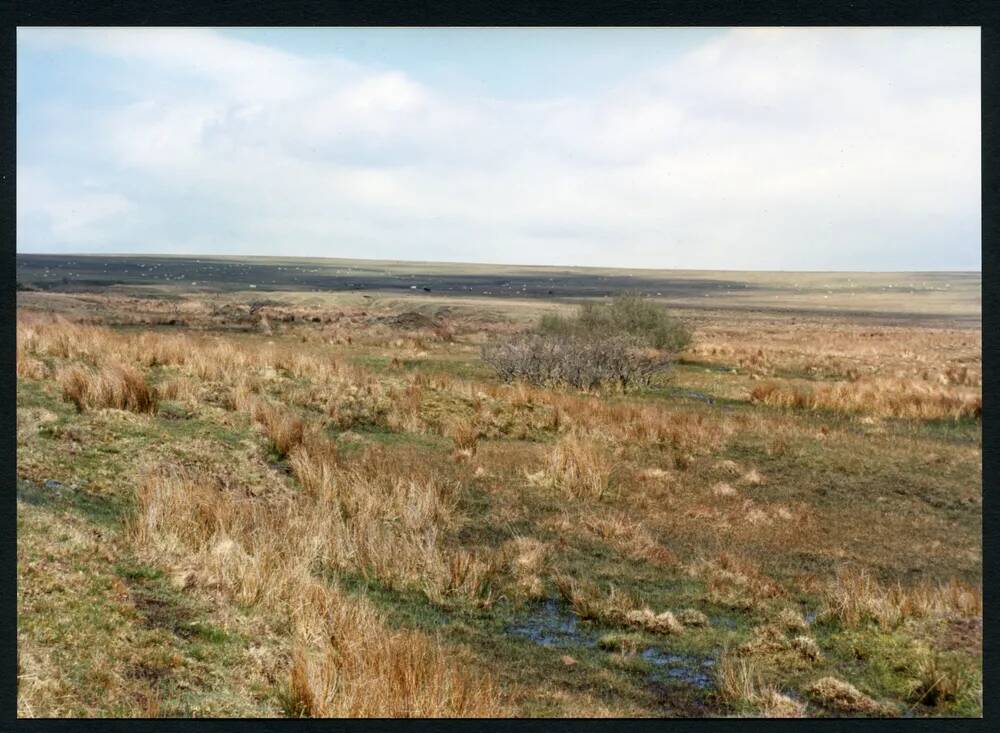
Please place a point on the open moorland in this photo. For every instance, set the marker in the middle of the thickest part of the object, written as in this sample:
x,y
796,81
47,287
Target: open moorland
x,y
264,487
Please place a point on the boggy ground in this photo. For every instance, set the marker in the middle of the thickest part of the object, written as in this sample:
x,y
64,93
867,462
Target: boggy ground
x,y
326,505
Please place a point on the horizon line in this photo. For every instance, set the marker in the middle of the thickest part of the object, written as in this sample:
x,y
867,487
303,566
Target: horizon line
x,y
487,264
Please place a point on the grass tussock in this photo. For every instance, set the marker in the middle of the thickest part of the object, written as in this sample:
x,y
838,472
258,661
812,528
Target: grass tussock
x,y
630,537
844,698
855,597
877,397
263,554
580,467
940,680
740,683
121,387
284,429
735,582
314,463
382,673
622,609
589,602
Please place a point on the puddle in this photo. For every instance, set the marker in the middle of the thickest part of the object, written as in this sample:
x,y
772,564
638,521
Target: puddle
x,y
725,622
683,668
552,625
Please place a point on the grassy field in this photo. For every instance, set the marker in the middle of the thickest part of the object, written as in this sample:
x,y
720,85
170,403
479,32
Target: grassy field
x,y
292,488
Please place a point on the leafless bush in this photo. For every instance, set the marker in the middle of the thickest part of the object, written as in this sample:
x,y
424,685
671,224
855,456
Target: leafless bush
x,y
581,361
624,343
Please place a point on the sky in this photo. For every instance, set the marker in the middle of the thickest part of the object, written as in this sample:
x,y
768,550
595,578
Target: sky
x,y
692,148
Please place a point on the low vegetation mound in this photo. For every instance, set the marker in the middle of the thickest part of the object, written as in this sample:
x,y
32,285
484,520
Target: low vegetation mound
x,y
624,343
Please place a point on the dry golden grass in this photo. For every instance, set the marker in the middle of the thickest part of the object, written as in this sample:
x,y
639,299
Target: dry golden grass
x,y
380,673
283,428
580,467
263,553
465,437
588,602
524,560
740,682
735,582
845,351
791,620
878,397
180,389
621,609
116,386
630,473
855,596
844,697
630,537
27,366
314,464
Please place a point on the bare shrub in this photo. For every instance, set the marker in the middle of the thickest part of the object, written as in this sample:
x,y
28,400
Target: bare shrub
x,y
625,343
583,362
629,314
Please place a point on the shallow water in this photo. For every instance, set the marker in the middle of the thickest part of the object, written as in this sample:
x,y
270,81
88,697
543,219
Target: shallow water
x,y
551,624
683,667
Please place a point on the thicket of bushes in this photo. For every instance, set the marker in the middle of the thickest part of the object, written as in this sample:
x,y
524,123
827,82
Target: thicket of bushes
x,y
626,343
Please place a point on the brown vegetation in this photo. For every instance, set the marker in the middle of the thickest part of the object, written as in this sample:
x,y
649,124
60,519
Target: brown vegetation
x,y
855,596
880,397
340,453
263,553
116,386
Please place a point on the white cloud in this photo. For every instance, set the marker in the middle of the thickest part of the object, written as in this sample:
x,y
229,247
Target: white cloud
x,y
766,148
75,216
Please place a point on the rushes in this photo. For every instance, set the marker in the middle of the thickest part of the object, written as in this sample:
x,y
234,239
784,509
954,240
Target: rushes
x,y
314,464
386,674
263,553
738,679
855,596
905,398
116,386
740,683
283,428
580,467
939,680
